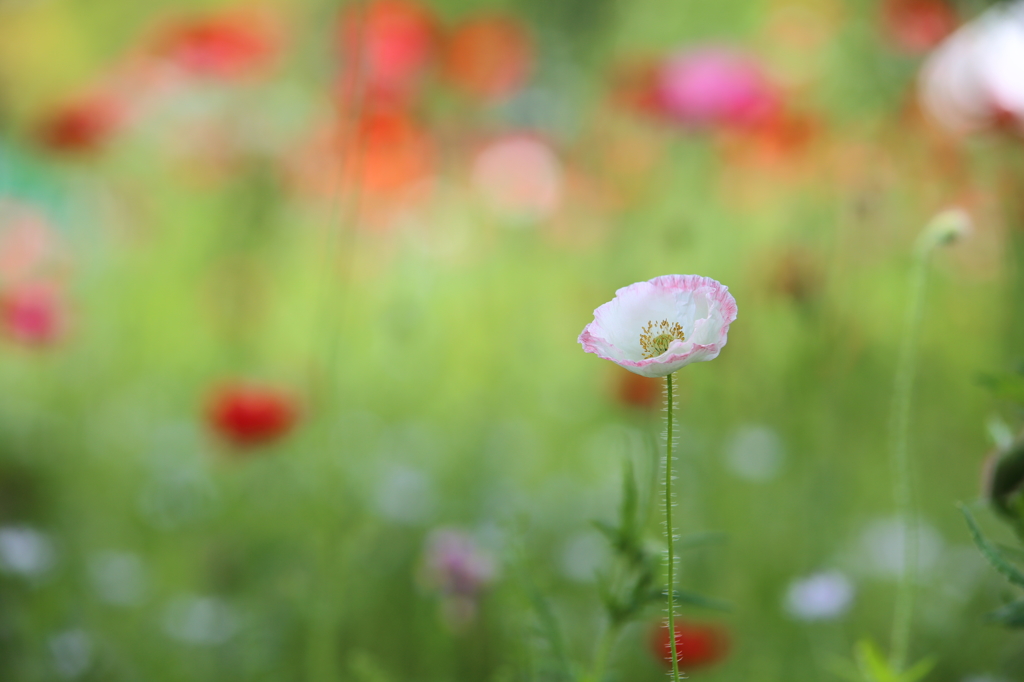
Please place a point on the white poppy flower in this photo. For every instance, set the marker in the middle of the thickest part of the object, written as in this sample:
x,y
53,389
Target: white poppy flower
x,y
654,328
973,79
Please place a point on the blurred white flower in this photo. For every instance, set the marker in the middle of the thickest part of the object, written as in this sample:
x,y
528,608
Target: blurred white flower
x,y
582,555
118,577
24,551
200,620
655,328
973,79
755,453
406,495
880,547
72,653
821,596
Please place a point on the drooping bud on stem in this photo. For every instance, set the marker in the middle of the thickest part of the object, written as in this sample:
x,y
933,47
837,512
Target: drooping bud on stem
x,y
947,227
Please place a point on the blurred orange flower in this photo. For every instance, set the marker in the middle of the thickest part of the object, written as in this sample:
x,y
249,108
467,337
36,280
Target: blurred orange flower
x,y
638,391
489,57
386,157
396,151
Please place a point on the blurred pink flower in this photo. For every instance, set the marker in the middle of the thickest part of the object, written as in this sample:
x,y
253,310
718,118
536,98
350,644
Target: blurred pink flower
x,y
520,176
654,328
455,565
714,86
973,80
489,56
27,243
389,44
458,570
33,313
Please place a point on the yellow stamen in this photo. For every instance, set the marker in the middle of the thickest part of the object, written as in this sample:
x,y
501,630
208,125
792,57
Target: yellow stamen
x,y
655,338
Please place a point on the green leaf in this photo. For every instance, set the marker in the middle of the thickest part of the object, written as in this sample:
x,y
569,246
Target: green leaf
x,y
872,663
919,670
1009,571
609,531
549,630
1011,615
840,666
874,667
1014,553
1006,386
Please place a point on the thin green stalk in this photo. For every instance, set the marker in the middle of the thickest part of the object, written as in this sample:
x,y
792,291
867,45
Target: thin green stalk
x,y
604,648
900,451
321,650
670,532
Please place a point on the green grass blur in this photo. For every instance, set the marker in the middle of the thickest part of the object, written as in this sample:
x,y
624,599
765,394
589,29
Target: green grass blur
x,y
439,382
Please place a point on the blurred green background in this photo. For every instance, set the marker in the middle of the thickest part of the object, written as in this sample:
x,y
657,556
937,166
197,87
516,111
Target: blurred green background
x,y
276,213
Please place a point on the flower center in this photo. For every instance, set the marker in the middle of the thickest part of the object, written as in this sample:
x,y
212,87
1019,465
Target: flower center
x,y
656,337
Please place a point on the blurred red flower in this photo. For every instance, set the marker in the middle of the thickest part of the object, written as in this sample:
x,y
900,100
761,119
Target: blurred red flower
x,y
246,414
489,57
697,644
83,124
390,45
773,144
229,45
634,86
32,313
916,26
638,391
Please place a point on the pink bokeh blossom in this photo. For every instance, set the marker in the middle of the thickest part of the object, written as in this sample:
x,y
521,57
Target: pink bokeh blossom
x,y
714,86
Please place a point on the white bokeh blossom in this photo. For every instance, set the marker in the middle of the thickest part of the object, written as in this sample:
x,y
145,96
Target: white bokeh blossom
x,y
821,596
972,80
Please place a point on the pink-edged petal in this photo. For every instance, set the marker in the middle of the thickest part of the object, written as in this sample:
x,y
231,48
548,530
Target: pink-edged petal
x,y
702,306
